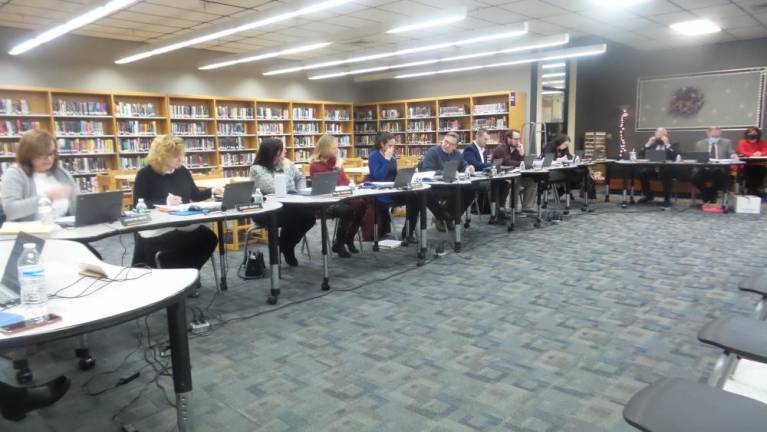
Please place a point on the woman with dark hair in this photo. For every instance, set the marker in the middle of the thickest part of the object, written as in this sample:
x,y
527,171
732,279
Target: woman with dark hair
x,y
294,221
560,148
753,145
382,163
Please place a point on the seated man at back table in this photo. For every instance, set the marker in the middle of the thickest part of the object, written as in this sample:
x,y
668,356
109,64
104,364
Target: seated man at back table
x,y
710,180
659,141
441,201
511,151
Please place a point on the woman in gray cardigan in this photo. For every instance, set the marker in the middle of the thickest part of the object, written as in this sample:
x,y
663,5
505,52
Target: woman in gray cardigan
x,y
37,174
294,221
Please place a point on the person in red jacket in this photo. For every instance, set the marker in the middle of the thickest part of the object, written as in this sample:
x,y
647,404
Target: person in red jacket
x,y
753,145
351,211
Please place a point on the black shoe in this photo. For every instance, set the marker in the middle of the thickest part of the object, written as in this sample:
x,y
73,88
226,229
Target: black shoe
x,y
290,257
440,225
340,249
352,248
644,200
16,402
450,225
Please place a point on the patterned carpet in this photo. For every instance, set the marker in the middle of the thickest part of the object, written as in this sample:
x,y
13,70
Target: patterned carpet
x,y
549,329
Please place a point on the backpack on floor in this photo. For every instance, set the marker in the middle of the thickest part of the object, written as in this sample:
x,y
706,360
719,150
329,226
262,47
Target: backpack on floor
x,y
253,265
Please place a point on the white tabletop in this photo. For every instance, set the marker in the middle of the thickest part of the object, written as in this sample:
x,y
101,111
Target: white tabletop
x,y
327,199
131,292
159,220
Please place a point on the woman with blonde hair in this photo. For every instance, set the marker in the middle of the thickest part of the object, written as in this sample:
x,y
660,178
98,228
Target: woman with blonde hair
x,y
350,212
166,181
35,175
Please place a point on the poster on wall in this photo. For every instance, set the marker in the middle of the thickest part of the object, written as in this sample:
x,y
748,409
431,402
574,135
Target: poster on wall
x,y
730,99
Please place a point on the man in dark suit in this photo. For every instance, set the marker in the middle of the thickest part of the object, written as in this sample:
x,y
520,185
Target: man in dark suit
x,y
659,141
711,180
474,154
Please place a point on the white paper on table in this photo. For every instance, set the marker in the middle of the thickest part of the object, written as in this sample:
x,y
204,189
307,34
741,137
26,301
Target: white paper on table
x,y
205,205
33,227
423,175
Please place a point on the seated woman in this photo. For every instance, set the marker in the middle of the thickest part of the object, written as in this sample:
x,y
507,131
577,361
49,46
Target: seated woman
x,y
754,173
351,211
294,221
382,163
166,181
35,175
560,148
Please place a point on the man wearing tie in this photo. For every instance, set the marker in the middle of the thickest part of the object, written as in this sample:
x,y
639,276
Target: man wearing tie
x,y
661,142
710,180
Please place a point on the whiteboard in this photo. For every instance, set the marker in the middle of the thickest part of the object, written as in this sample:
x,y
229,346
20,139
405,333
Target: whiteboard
x,y
729,99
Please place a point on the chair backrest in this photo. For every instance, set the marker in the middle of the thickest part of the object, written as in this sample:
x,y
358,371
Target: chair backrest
x,y
354,163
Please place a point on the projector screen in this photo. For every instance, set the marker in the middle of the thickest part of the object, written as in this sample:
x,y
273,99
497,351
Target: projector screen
x,y
729,99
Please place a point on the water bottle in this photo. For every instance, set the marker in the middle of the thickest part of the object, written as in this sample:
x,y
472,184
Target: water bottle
x,y
34,295
633,156
522,166
258,198
679,158
141,207
352,186
45,210
493,171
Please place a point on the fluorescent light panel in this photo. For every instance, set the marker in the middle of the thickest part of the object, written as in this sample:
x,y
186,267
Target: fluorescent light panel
x,y
402,52
618,3
71,25
554,65
554,75
447,19
584,51
552,92
264,56
162,49
553,82
696,27
542,43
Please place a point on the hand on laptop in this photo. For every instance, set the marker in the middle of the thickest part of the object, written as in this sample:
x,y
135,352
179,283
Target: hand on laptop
x,y
218,191
173,200
59,192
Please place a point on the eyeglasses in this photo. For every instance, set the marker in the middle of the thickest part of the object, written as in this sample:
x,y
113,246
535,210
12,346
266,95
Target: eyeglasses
x,y
47,155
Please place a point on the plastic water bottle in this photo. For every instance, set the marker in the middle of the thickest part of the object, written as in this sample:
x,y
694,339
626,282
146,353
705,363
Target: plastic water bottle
x,y
352,186
633,156
141,207
34,295
45,210
258,198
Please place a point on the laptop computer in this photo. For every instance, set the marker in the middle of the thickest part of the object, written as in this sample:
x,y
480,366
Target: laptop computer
x,y
448,171
580,154
98,207
701,157
237,193
548,159
322,184
404,177
656,155
10,289
529,161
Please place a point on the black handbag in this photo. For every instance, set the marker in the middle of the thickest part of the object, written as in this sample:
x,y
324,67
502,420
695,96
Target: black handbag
x,y
253,265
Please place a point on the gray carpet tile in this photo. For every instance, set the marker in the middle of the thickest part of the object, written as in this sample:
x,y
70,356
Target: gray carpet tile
x,y
549,329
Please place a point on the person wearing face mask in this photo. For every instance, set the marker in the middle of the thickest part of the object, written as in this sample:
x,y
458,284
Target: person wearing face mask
x,y
711,180
166,181
753,145
660,142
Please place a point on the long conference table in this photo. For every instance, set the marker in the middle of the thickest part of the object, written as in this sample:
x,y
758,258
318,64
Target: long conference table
x,y
87,304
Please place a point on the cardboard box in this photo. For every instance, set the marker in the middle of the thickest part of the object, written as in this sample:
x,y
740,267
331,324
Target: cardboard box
x,y
748,204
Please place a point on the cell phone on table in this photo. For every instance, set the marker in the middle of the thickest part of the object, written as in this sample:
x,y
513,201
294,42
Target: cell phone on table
x,y
29,325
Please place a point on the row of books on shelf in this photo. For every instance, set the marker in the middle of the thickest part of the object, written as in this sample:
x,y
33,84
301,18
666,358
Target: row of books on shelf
x,y
300,128
336,128
391,127
490,108
273,113
189,128
228,159
337,115
365,115
14,106
420,138
135,109
231,143
85,165
132,162
452,110
232,129
190,111
305,113
135,145
364,140
17,127
391,113
199,144
420,111
234,112
8,148
365,128
86,145
196,161
490,123
74,107
87,184
80,127
270,128
236,172
135,127
279,138
420,125
450,125
304,141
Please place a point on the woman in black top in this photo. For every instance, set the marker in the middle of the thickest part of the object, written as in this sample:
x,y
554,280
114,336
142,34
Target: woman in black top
x,y
560,148
166,181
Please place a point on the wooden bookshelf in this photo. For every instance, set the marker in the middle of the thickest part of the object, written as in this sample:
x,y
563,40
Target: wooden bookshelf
x,y
237,135
365,128
392,118
273,121
21,110
193,119
139,118
307,127
337,120
455,116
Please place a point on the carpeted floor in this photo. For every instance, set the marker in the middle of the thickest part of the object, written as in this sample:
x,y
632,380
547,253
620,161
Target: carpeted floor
x,y
549,329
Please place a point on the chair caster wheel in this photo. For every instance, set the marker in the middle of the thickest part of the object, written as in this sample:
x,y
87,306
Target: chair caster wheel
x,y
24,376
584,209
272,300
325,286
376,248
537,224
86,363
466,225
510,229
566,212
624,205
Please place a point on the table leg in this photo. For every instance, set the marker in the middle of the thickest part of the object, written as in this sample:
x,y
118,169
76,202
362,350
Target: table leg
x,y
631,195
274,259
607,184
457,218
422,237
493,202
513,205
222,254
324,229
181,363
587,202
539,217
375,226
567,198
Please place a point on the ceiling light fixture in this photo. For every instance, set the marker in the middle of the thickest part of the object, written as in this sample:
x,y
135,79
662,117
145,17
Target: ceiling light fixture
x,y
554,65
554,75
553,82
541,43
71,25
696,27
264,56
583,51
448,19
552,92
618,3
497,36
229,30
